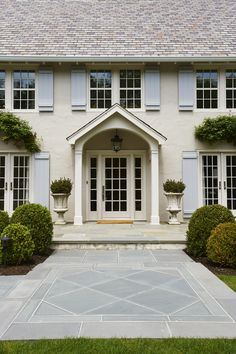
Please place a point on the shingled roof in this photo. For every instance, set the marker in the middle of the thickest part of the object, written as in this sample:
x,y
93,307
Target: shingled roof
x,y
123,28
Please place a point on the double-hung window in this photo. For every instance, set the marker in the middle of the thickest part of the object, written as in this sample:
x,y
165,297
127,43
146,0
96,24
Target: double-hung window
x,y
207,89
130,88
24,90
230,88
100,88
2,89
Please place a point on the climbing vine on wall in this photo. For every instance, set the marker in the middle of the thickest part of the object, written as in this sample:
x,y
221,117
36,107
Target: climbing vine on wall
x,y
213,130
17,130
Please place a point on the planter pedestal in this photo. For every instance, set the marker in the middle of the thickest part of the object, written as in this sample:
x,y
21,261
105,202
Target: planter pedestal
x,y
60,207
174,206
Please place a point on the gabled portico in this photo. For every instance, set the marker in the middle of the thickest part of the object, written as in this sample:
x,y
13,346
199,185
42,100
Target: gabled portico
x,y
116,185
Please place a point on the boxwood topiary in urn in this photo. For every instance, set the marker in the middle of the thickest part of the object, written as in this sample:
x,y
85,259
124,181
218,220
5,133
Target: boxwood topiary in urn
x,y
173,186
61,189
174,192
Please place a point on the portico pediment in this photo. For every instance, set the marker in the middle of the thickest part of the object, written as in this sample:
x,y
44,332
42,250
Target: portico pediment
x,y
118,118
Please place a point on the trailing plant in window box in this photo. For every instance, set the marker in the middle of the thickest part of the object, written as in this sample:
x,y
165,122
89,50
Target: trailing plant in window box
x,y
173,186
62,185
213,130
17,130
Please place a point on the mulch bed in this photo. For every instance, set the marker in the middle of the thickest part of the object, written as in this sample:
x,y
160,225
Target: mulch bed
x,y
216,269
24,268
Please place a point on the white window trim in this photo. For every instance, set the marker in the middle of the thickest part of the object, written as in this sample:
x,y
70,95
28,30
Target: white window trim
x,y
36,92
9,155
115,87
208,110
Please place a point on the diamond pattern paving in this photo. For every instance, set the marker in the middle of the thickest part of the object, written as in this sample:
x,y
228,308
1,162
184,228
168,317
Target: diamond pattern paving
x,y
120,292
148,298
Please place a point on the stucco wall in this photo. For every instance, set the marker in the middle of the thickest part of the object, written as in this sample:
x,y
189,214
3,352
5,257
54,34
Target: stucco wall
x,y
53,128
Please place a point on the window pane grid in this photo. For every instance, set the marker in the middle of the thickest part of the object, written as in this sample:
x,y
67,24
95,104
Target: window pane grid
x,y
93,184
138,183
230,76
100,89
2,182
20,181
210,179
207,89
130,88
231,181
116,184
2,89
24,90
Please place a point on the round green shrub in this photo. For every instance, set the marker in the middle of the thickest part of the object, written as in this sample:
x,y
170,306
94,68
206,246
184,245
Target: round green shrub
x,y
221,245
4,220
39,221
202,222
21,246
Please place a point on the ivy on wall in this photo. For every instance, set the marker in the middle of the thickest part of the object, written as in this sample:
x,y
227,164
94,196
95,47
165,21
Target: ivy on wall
x,y
17,130
213,130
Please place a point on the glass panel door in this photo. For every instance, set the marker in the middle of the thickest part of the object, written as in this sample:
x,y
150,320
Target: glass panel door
x,y
2,181
210,179
20,187
115,188
230,182
219,180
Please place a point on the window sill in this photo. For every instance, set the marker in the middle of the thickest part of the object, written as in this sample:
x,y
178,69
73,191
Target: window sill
x,y
24,111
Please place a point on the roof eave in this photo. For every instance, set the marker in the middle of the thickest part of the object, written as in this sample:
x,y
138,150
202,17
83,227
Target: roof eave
x,y
83,59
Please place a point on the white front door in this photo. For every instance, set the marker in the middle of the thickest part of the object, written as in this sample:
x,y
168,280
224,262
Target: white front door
x,y
116,186
14,181
219,180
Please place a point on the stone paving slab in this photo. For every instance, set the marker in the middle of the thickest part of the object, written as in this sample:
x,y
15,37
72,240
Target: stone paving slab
x,y
117,293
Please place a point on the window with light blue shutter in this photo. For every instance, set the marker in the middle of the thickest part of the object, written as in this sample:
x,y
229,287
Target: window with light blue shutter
x,y
78,90
152,89
186,90
190,178
41,182
45,90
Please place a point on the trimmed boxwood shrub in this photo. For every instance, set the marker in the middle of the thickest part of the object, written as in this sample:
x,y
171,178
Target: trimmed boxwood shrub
x,y
39,221
202,222
4,220
221,245
21,246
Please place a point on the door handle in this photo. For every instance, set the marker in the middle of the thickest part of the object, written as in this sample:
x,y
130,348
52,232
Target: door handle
x,y
224,184
219,184
11,186
103,193
6,186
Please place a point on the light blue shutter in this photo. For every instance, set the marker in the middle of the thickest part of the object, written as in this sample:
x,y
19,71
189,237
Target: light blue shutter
x,y
190,178
186,90
78,90
41,178
152,89
45,91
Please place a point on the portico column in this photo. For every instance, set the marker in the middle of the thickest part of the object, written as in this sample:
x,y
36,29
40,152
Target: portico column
x,y
155,218
78,218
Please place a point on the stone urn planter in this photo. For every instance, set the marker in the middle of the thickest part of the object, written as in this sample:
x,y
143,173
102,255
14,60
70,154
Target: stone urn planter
x,y
174,206
173,190
60,192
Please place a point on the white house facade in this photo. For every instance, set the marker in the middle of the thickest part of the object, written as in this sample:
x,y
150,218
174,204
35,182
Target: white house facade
x,y
115,104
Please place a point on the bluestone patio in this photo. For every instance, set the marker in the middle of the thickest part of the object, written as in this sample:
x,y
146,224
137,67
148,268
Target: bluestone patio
x,y
116,293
